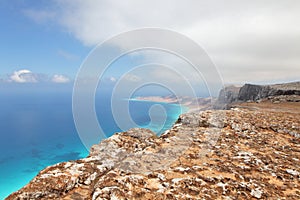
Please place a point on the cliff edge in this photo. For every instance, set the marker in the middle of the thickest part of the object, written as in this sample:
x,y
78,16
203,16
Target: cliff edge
x,y
256,155
250,92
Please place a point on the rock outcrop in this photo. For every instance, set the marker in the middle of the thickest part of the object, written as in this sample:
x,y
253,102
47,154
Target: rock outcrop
x,y
221,154
229,94
250,92
255,92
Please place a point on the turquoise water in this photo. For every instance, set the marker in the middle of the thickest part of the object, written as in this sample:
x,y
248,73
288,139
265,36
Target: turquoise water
x,y
37,130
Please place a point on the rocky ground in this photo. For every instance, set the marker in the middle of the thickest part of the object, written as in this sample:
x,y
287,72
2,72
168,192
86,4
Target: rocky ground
x,y
242,153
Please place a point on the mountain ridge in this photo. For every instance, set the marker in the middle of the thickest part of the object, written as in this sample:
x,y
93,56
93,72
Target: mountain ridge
x,y
253,92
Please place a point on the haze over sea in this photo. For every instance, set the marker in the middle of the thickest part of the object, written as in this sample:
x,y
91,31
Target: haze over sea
x,y
37,130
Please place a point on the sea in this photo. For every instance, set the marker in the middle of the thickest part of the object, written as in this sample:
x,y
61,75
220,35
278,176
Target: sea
x,y
37,130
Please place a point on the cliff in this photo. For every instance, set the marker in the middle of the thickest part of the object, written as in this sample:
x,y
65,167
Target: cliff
x,y
250,92
256,92
222,154
229,94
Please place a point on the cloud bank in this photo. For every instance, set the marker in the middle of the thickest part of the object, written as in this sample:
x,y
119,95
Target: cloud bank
x,y
60,79
23,76
27,76
249,41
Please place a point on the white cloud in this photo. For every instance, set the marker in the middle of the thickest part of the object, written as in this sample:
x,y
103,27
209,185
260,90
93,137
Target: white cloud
x,y
40,16
112,79
27,76
244,38
132,78
23,76
66,55
60,79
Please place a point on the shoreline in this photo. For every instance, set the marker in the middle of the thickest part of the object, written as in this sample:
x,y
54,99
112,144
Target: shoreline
x,y
189,104
91,176
184,108
145,100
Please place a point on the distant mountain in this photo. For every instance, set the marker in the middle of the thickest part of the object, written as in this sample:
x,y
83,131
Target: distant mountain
x,y
251,92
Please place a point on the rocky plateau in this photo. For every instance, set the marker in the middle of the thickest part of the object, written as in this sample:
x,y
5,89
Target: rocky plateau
x,y
253,154
251,151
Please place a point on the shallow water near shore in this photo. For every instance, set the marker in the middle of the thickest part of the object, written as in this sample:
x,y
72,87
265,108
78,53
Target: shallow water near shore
x,y
37,130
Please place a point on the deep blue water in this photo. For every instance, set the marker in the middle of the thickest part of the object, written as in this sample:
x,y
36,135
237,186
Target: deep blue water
x,y
37,130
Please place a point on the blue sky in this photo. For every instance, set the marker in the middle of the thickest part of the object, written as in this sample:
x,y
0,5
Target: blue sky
x,y
256,42
41,48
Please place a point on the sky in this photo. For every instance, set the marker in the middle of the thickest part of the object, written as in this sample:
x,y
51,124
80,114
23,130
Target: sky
x,y
249,41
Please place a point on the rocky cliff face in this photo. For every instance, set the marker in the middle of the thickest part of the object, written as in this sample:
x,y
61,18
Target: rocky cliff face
x,y
256,92
224,154
229,94
253,92
250,92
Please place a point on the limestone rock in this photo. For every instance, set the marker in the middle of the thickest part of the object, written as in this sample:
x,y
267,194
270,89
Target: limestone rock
x,y
289,92
221,154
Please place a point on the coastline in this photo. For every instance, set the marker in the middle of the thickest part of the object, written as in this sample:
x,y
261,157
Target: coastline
x,y
149,100
174,113
95,175
185,107
188,104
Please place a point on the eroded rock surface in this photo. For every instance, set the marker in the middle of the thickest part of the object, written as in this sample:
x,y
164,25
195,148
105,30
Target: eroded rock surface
x,y
229,154
250,92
